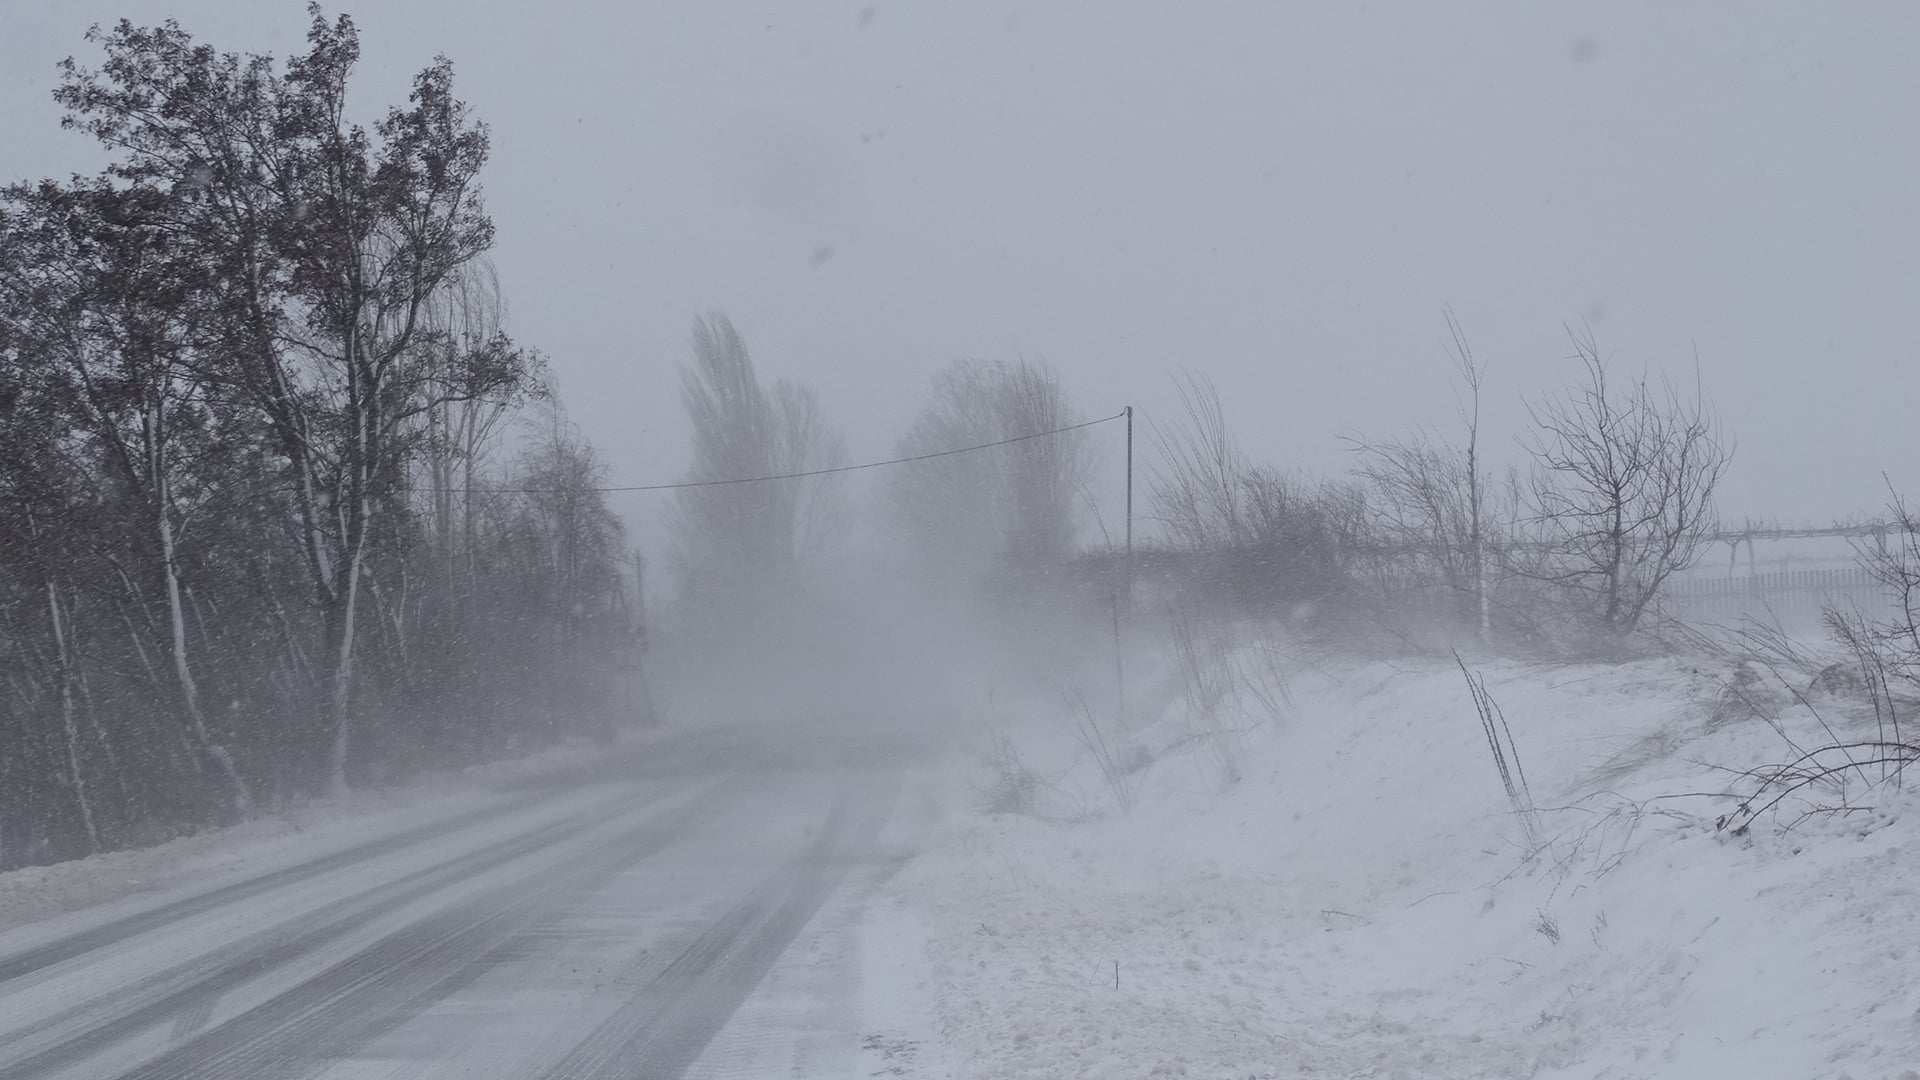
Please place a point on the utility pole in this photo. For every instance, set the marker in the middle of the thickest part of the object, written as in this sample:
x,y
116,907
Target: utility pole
x,y
1125,597
1129,564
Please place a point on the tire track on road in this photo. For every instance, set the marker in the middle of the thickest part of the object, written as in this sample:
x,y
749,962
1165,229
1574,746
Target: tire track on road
x,y
335,1012
683,757
189,991
665,1025
33,959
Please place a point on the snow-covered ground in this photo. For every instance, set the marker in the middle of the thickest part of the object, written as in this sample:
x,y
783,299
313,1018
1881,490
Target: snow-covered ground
x,y
1342,889
1363,901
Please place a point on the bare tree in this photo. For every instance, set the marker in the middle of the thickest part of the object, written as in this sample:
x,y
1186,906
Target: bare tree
x,y
1266,538
1421,513
457,434
1470,373
1893,558
1196,477
738,549
1015,507
1430,500
1622,489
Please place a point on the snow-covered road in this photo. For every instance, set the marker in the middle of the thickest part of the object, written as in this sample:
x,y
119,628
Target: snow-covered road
x,y
599,926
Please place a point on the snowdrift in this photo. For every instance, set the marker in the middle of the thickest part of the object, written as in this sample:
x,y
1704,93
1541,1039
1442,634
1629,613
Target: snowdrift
x,y
1364,900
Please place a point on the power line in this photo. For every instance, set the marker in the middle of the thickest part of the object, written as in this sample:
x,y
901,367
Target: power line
x,y
781,476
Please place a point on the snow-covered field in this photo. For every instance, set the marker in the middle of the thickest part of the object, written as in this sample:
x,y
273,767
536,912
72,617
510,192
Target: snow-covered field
x,y
1362,901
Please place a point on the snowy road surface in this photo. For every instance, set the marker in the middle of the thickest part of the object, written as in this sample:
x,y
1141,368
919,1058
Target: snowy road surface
x,y
600,926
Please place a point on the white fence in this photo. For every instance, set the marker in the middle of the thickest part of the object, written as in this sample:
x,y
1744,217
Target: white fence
x,y
1793,598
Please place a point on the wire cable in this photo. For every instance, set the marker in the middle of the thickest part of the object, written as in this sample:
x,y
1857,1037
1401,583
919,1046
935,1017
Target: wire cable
x,y
781,476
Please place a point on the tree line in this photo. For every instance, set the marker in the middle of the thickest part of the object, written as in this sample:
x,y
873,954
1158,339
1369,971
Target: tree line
x,y
258,535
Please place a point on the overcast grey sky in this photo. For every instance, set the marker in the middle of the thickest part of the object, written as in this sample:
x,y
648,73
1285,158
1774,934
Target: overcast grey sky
x,y
1285,196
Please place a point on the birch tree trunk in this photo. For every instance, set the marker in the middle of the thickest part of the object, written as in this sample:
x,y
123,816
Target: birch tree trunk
x,y
182,669
64,660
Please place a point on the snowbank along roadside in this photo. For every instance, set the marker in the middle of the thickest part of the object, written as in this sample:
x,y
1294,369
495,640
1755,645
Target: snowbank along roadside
x,y
1363,901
